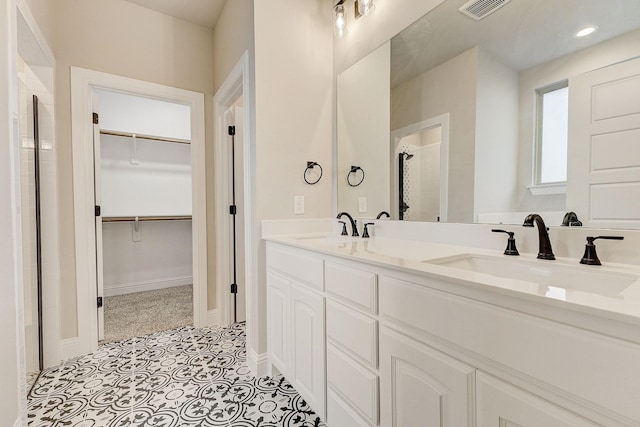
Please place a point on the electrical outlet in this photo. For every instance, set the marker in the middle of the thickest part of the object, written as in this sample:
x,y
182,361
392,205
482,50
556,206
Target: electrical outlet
x,y
362,204
298,205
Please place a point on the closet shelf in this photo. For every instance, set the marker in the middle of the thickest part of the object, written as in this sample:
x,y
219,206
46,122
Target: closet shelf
x,y
145,218
142,136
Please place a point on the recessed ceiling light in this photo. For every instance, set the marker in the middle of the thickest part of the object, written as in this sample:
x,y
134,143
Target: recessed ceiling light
x,y
586,31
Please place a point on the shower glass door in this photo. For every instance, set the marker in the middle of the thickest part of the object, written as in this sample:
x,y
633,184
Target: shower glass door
x,y
30,218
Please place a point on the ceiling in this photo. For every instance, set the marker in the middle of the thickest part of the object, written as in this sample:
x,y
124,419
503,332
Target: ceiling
x,y
199,12
522,34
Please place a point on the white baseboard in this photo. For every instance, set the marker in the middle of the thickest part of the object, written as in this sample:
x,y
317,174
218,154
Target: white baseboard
x,y
212,318
69,348
147,285
258,363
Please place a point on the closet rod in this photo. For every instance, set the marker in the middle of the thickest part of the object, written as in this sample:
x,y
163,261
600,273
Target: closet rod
x,y
144,218
141,136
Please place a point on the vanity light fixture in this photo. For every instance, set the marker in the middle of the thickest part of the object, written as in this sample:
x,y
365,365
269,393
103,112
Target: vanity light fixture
x,y
364,8
340,23
586,31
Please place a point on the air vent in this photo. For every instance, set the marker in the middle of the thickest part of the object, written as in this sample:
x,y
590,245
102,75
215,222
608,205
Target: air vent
x,y
478,9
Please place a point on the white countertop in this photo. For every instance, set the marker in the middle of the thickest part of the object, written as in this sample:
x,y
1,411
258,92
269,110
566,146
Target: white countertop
x,y
414,257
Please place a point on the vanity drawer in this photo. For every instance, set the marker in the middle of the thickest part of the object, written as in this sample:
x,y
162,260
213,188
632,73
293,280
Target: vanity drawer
x,y
303,267
355,384
354,331
354,286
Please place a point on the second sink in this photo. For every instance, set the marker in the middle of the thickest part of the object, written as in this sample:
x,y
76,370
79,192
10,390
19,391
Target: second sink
x,y
556,275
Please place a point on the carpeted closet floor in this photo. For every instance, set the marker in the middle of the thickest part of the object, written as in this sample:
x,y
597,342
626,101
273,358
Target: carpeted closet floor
x,y
143,313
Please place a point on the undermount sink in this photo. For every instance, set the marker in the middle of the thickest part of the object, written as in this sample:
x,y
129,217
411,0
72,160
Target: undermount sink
x,y
554,278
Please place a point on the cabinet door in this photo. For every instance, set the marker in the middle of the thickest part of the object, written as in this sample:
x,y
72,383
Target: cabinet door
x,y
307,373
278,319
422,387
503,405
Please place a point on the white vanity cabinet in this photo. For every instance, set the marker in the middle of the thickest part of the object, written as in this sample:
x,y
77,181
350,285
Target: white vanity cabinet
x,y
295,322
421,386
369,345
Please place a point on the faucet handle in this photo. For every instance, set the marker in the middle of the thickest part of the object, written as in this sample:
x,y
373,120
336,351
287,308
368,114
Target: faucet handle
x,y
511,242
344,228
590,256
365,233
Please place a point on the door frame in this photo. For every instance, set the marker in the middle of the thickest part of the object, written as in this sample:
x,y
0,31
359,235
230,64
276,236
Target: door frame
x,y
82,83
235,85
396,135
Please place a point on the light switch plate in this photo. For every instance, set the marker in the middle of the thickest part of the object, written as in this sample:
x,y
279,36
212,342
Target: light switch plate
x,y
298,205
362,204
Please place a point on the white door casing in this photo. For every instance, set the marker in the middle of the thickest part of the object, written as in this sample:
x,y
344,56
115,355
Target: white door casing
x,y
603,170
82,83
235,86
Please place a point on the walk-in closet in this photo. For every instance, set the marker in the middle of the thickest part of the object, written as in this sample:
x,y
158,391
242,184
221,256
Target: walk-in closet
x,y
143,203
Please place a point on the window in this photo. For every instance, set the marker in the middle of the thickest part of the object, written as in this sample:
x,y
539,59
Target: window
x,y
552,133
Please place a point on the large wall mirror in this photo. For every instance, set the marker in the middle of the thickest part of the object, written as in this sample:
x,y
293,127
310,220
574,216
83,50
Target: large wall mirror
x,y
465,118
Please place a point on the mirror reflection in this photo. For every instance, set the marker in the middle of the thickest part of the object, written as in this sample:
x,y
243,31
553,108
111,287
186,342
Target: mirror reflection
x,y
492,117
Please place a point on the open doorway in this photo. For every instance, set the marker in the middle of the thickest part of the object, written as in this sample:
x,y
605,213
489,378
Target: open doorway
x,y
84,83
234,183
143,199
421,164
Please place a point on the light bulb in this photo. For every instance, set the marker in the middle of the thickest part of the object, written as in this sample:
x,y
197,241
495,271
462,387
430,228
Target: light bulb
x,y
366,7
340,22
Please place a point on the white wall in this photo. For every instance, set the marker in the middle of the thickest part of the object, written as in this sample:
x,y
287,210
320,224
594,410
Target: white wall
x,y
157,183
496,152
162,258
363,121
603,54
293,112
447,88
11,367
135,114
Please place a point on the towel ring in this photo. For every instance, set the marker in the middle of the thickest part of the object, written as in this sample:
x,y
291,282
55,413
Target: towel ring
x,y
310,167
354,170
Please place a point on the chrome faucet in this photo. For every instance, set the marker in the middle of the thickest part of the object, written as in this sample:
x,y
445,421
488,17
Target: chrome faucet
x,y
354,226
544,251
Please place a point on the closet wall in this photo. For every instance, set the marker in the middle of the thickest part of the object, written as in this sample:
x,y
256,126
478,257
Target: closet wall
x,y
149,179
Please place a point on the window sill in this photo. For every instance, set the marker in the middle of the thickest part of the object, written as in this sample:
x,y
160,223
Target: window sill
x,y
548,189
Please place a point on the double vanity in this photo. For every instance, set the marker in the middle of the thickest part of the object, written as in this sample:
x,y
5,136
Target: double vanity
x,y
409,332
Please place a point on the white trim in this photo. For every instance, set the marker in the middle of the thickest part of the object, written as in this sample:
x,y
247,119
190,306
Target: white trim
x,y
396,135
258,363
18,423
69,348
146,285
546,189
235,85
82,83
212,318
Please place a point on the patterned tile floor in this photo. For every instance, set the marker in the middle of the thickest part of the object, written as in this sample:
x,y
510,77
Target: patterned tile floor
x,y
183,377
